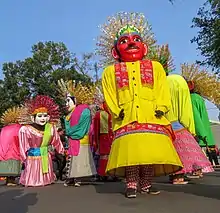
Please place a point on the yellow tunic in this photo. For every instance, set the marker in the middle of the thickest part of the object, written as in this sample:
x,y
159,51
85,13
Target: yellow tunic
x,y
181,109
139,103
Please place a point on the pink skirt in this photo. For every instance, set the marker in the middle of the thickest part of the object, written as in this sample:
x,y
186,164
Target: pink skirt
x,y
33,175
190,153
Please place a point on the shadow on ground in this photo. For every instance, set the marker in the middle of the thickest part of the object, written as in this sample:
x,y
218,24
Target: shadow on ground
x,y
16,201
202,190
198,188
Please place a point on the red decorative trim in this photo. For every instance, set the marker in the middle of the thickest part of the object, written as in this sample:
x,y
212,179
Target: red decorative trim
x,y
136,127
121,75
147,75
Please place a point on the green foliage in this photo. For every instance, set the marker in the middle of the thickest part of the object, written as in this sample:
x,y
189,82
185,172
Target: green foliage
x,y
208,38
39,73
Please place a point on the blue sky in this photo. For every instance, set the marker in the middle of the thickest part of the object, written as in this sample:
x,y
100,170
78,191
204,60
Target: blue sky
x,y
24,23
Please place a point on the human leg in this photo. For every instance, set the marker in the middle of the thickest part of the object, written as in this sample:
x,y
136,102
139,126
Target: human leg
x,y
132,179
146,176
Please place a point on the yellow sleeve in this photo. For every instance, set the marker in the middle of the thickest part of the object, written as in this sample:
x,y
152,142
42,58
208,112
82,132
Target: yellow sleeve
x,y
110,91
186,117
162,90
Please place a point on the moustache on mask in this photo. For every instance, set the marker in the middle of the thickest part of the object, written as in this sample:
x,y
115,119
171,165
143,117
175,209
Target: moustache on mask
x,y
132,46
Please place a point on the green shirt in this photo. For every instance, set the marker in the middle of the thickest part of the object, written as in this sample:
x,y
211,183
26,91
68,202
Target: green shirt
x,y
78,131
202,123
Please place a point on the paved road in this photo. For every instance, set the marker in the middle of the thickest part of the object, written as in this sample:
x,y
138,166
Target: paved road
x,y
201,196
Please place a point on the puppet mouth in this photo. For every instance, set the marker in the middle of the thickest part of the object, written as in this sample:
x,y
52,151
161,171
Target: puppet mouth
x,y
132,49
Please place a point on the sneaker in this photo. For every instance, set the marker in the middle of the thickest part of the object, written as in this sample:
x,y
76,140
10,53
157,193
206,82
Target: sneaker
x,y
131,193
151,191
193,176
77,184
180,182
69,182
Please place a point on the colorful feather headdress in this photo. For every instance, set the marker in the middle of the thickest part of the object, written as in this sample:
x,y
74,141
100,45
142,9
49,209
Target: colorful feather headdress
x,y
11,115
83,94
205,84
115,26
162,54
40,104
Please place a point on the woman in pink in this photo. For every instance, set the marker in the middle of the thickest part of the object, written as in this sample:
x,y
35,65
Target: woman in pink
x,y
181,118
36,139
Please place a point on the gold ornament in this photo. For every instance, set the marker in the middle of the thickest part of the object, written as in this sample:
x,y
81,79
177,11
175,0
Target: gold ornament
x,y
83,94
206,84
11,115
162,54
111,29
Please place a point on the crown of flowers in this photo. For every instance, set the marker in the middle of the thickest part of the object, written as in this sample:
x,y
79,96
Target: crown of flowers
x,y
205,83
40,104
162,54
83,94
115,27
11,115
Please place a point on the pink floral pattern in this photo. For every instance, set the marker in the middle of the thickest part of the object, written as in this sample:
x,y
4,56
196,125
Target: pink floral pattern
x,y
147,77
146,71
190,153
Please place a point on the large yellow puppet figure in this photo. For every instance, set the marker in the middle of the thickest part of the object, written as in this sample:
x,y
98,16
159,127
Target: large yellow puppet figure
x,y
138,96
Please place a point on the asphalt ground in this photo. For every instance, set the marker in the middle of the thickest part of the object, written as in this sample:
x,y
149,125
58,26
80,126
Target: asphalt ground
x,y
199,196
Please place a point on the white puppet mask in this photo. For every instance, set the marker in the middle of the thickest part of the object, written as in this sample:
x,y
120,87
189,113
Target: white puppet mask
x,y
40,118
70,103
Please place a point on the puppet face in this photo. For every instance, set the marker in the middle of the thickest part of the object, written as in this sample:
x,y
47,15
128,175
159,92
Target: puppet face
x,y
129,48
70,103
40,118
191,85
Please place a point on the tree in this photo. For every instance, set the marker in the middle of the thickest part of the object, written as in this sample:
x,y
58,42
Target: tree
x,y
39,73
208,38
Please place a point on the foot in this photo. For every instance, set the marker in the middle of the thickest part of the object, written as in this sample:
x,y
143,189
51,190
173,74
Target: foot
x,y
69,182
11,184
131,193
193,176
180,181
77,184
151,191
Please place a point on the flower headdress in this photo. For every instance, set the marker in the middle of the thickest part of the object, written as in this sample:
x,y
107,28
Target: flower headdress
x,y
205,84
162,54
11,115
83,94
115,26
40,104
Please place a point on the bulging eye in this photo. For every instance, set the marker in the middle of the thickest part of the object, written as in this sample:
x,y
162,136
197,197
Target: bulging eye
x,y
137,39
123,41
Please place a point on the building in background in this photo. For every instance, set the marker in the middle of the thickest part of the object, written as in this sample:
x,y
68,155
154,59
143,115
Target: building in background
x,y
215,125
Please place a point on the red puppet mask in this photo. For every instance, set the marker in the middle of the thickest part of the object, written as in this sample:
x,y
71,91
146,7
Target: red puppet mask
x,y
129,45
191,85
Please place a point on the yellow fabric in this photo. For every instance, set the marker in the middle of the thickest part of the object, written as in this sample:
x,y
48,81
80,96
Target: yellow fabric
x,y
142,149
103,122
181,109
148,99
84,140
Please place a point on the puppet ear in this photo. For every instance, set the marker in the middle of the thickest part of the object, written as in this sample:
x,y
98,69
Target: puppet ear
x,y
145,49
33,118
115,53
48,118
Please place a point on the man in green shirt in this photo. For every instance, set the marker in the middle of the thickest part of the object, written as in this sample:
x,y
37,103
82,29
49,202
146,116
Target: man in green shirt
x,y
202,124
